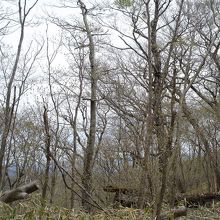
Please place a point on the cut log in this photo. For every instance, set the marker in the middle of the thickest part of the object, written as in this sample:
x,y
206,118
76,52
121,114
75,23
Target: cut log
x,y
19,193
174,213
198,199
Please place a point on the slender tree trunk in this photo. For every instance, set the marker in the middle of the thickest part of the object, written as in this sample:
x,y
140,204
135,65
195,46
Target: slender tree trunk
x,y
164,139
47,154
149,120
89,151
8,113
73,173
8,108
53,184
217,179
158,115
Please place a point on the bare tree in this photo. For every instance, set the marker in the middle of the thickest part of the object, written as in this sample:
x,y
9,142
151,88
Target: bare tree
x,y
23,12
89,151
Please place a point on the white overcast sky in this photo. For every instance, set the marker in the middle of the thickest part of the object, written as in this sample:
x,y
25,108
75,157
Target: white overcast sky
x,y
39,15
50,7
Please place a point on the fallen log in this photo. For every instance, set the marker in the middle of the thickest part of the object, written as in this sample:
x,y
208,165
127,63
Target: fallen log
x,y
19,193
174,213
116,189
197,199
126,197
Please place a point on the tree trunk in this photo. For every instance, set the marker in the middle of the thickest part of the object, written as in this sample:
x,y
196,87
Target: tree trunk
x,y
73,173
8,109
89,151
149,122
47,154
53,184
8,113
217,179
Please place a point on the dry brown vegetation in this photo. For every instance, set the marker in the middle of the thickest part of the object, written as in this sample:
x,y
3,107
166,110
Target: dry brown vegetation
x,y
120,107
32,209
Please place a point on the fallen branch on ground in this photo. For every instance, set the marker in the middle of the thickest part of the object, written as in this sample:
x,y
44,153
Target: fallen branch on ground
x,y
19,193
198,199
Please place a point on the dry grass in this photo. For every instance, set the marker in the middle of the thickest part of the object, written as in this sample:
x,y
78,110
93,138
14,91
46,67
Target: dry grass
x,y
33,210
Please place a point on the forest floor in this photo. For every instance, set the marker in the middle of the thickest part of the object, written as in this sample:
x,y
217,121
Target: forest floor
x,y
203,213
32,209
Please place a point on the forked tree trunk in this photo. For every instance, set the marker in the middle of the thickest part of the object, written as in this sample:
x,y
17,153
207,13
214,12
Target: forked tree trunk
x,y
164,138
